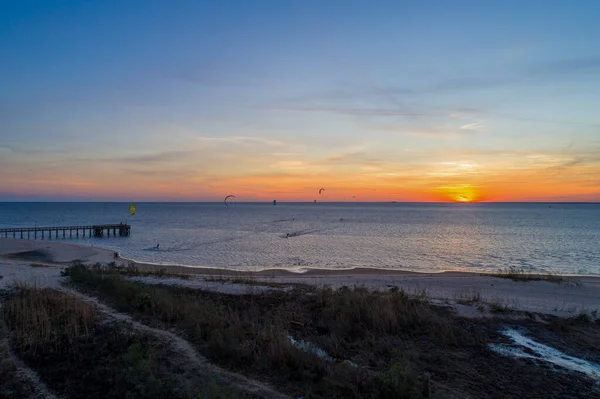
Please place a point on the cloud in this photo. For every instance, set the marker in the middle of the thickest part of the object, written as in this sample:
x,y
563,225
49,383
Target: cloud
x,y
425,132
356,158
398,100
566,164
469,83
465,113
567,66
8,148
41,152
242,140
160,157
546,70
346,110
220,73
473,126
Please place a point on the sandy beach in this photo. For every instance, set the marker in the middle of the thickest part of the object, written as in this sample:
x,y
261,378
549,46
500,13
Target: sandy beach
x,y
575,295
513,318
17,257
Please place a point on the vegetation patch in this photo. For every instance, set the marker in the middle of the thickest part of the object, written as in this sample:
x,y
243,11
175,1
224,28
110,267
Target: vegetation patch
x,y
379,344
519,274
80,354
38,265
253,281
129,270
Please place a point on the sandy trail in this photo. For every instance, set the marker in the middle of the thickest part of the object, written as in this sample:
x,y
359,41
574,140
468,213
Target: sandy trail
x,y
192,357
24,375
16,267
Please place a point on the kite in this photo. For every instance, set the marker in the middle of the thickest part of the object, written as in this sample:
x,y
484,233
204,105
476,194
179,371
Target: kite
x,y
226,198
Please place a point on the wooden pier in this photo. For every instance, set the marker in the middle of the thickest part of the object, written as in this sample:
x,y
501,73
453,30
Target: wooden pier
x,y
96,230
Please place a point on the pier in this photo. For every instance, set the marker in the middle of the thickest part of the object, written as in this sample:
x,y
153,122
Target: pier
x,y
97,230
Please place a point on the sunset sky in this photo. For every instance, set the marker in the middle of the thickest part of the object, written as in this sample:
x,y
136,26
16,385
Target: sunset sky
x,y
376,100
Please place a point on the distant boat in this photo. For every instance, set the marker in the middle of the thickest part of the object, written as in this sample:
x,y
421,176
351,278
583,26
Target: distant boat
x,y
132,209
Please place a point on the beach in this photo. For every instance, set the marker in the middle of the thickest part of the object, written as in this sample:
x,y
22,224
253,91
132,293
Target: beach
x,y
571,296
359,330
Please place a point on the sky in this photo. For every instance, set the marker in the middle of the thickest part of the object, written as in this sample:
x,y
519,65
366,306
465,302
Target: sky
x,y
371,100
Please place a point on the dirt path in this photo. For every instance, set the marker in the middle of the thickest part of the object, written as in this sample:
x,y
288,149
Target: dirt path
x,y
31,379
192,358
26,378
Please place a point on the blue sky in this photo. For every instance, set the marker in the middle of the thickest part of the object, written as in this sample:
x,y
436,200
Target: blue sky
x,y
390,100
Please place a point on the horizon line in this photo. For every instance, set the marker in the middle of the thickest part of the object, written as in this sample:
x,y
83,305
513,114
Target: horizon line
x,y
298,202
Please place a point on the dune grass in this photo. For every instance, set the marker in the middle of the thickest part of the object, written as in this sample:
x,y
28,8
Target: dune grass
x,y
131,270
373,336
80,354
317,343
519,274
249,280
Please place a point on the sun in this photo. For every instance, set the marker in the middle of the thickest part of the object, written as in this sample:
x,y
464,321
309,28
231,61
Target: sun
x,y
462,193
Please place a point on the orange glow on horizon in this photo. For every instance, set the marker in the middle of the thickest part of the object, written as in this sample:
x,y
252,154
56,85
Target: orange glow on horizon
x,y
288,186
463,193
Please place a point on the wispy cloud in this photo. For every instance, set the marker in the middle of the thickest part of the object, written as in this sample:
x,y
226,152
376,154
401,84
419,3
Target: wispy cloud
x,y
473,126
423,132
7,148
566,164
465,113
469,84
567,66
160,157
346,110
241,140
356,158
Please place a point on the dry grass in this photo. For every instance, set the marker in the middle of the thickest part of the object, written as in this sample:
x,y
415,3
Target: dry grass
x,y
378,344
516,274
467,296
253,281
46,320
498,305
38,265
81,355
251,332
131,270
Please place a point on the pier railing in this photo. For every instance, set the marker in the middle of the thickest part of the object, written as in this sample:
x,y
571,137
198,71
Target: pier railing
x,y
96,230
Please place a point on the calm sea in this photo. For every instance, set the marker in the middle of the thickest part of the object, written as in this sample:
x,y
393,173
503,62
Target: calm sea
x,y
560,238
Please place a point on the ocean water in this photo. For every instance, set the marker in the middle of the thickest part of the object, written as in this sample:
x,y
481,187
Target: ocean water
x,y
558,238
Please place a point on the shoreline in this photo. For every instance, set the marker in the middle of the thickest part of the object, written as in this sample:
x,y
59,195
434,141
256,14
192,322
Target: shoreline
x,y
563,296
61,254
